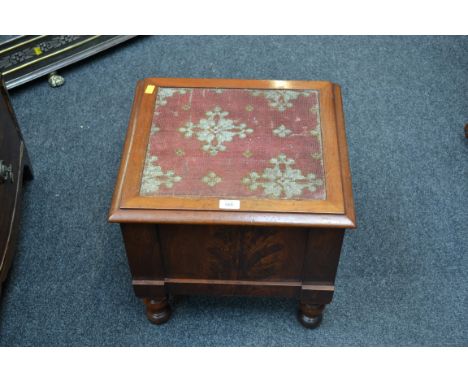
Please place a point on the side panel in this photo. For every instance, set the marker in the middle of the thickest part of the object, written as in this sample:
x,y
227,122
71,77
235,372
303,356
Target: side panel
x,y
320,265
144,258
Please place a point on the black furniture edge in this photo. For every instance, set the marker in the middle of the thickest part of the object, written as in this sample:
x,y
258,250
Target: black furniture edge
x,y
67,55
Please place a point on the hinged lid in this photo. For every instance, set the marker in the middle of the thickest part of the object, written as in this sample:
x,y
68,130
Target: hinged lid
x,y
235,151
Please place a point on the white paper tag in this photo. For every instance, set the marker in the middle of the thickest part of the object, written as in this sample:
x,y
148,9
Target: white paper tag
x,y
229,204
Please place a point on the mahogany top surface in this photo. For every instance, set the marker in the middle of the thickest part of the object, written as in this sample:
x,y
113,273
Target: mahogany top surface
x,y
235,152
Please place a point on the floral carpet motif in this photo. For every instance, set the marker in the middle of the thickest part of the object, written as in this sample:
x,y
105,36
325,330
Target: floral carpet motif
x,y
235,143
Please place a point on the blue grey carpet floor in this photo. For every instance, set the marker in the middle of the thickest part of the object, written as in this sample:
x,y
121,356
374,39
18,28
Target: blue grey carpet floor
x,y
402,279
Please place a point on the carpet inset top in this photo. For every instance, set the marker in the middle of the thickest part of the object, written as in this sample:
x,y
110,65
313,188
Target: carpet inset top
x,y
241,143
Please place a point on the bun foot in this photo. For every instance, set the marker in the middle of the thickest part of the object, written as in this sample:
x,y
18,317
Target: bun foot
x,y
310,316
157,311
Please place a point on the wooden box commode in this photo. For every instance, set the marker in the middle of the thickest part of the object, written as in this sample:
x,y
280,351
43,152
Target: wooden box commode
x,y
234,187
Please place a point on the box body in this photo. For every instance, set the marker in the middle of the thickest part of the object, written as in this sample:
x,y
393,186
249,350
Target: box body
x,y
233,260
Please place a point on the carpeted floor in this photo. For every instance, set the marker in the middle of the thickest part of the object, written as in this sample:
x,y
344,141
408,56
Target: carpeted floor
x,y
403,277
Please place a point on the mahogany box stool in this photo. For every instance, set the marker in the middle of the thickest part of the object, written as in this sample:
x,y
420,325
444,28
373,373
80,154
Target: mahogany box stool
x,y
234,187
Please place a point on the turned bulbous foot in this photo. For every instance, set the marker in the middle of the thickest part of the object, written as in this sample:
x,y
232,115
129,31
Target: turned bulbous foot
x,y
157,311
310,315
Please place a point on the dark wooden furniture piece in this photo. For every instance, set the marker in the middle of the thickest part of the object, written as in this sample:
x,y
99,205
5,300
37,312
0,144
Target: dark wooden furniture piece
x,y
14,167
25,58
234,187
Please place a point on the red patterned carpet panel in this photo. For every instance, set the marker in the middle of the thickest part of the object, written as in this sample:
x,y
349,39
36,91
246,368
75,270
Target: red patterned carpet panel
x,y
235,143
